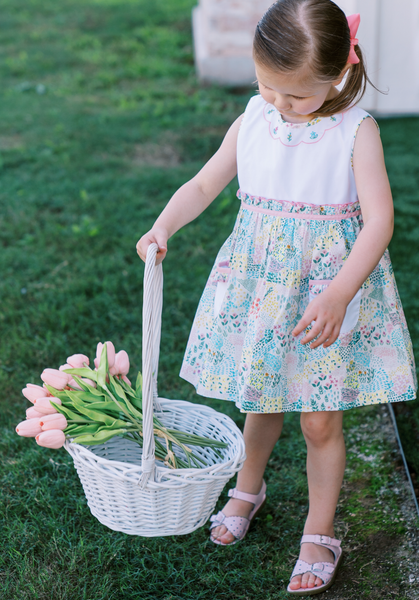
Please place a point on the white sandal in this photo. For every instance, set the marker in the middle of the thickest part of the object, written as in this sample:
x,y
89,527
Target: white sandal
x,y
326,571
238,526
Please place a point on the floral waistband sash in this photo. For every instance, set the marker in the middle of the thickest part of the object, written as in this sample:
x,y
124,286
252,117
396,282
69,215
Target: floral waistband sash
x,y
299,210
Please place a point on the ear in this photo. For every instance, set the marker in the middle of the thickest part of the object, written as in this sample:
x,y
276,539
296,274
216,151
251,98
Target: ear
x,y
339,79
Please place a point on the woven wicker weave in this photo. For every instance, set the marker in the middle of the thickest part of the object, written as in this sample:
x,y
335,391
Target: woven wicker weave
x,y
126,488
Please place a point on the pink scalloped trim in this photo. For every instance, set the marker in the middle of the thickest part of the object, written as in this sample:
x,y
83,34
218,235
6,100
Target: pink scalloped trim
x,y
320,135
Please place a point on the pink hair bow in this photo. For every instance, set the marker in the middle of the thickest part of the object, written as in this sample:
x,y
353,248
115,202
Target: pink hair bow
x,y
353,22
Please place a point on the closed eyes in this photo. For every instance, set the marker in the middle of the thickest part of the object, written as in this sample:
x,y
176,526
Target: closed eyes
x,y
291,95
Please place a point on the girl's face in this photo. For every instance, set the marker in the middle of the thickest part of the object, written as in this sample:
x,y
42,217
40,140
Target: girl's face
x,y
295,96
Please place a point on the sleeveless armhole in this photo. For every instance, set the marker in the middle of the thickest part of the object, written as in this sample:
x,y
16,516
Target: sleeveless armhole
x,y
367,116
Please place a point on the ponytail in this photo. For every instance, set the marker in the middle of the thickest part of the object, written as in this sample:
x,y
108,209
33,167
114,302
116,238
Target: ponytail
x,y
352,91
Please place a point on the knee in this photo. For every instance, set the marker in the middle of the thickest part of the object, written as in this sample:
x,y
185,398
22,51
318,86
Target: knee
x,y
320,428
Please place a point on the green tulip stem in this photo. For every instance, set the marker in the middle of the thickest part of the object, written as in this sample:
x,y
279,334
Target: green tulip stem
x,y
122,408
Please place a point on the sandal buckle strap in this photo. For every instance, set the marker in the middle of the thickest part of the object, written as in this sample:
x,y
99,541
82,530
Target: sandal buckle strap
x,y
217,519
320,539
322,570
234,493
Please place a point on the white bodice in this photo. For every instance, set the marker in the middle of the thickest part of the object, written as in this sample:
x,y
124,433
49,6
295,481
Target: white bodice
x,y
306,162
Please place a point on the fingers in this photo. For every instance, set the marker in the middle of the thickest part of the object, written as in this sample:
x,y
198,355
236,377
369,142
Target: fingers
x,y
321,332
321,321
150,238
320,337
303,323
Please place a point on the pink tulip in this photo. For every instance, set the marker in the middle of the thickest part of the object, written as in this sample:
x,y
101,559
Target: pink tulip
x,y
64,367
32,392
113,370
73,383
54,438
77,361
46,389
32,413
110,350
125,378
122,363
29,428
96,361
44,406
88,382
57,421
55,378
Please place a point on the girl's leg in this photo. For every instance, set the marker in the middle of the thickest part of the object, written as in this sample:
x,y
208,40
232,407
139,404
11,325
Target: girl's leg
x,y
261,432
326,457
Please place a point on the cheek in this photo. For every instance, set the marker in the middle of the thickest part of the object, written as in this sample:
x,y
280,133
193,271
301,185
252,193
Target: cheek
x,y
266,95
310,105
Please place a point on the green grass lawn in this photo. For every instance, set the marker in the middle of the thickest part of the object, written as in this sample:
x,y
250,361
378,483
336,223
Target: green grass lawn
x,y
102,119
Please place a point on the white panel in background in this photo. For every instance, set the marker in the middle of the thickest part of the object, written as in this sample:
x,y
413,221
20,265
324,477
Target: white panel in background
x,y
388,35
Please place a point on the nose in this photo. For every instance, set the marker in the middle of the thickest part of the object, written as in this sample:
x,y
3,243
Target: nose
x,y
282,102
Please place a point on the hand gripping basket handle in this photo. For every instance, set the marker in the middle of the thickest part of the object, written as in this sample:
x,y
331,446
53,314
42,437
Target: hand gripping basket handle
x,y
152,308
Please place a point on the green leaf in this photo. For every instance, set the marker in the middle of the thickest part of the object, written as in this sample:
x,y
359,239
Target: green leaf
x,y
103,367
88,397
95,415
117,388
69,414
82,429
98,438
83,372
137,402
107,405
139,385
127,388
120,392
61,394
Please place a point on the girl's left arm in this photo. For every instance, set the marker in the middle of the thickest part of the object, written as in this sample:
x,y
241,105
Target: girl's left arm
x,y
328,308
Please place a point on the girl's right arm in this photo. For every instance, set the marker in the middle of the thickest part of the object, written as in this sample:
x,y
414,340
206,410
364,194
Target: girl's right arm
x,y
194,196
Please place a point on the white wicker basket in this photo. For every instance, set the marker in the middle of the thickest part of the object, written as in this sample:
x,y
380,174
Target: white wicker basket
x,y
126,488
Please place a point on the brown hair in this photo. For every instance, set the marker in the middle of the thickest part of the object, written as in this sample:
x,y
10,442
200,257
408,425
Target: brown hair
x,y
315,33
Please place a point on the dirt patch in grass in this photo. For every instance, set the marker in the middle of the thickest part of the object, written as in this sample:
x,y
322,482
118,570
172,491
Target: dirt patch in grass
x,y
155,155
10,142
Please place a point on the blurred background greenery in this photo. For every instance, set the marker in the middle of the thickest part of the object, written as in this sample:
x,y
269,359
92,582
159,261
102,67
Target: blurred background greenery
x,y
102,119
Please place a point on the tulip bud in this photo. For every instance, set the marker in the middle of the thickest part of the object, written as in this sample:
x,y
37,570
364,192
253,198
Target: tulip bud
x,y
78,361
32,392
64,367
125,378
54,438
56,421
121,363
44,406
32,413
29,428
55,378
88,382
96,361
110,348
46,389
113,370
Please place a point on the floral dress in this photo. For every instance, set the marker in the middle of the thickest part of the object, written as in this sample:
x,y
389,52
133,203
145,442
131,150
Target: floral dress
x,y
298,221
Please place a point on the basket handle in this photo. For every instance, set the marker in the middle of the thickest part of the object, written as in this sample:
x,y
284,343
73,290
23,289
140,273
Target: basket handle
x,y
152,308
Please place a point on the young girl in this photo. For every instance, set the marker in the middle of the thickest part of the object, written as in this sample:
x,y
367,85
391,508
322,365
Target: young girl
x,y
301,311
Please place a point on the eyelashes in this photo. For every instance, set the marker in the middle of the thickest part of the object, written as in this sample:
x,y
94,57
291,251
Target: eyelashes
x,y
270,90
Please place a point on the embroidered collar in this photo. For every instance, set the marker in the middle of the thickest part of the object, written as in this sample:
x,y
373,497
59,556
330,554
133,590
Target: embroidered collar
x,y
294,134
